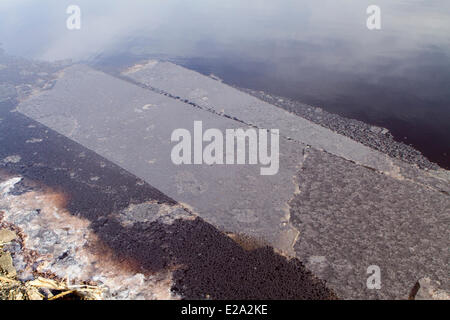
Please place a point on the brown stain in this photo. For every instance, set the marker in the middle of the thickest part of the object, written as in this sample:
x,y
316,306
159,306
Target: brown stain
x,y
106,258
414,290
246,242
57,198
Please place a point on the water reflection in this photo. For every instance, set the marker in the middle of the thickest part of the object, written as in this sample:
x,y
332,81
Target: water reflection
x,y
319,52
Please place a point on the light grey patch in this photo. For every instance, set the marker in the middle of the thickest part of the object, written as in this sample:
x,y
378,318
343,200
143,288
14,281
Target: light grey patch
x,y
148,106
49,84
34,140
63,121
342,267
152,212
186,182
319,265
245,215
376,129
198,93
12,159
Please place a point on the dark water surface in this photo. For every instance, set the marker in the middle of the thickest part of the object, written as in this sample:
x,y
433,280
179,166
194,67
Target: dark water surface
x,y
317,52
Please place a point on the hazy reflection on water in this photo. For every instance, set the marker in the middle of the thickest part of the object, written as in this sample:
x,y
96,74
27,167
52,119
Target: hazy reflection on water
x,y
319,52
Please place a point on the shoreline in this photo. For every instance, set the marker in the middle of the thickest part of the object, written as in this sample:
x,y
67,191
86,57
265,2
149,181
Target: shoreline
x,y
375,137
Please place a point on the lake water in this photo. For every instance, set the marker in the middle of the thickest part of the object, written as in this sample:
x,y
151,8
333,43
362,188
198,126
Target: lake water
x,y
317,52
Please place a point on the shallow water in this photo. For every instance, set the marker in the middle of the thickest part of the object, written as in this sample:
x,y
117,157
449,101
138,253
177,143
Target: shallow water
x,y
318,52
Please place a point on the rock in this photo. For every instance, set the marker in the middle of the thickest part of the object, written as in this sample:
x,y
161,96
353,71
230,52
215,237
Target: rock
x,y
12,159
7,186
6,265
6,236
376,129
429,290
